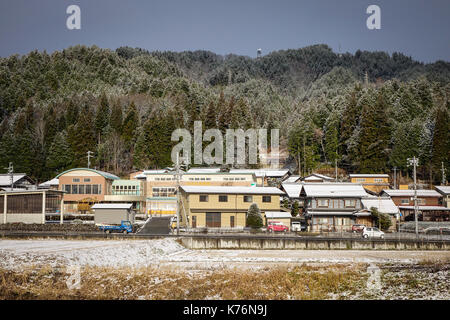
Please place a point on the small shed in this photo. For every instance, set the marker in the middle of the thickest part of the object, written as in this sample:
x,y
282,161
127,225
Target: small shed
x,y
112,213
279,216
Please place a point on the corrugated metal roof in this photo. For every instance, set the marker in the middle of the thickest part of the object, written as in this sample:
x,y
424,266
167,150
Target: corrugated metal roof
x,y
443,189
231,190
107,175
410,193
112,206
334,190
384,205
292,189
277,214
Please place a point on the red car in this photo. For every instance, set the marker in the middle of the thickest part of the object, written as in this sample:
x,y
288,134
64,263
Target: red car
x,y
358,228
276,226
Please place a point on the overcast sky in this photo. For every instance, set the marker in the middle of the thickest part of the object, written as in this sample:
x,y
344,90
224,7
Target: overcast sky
x,y
417,28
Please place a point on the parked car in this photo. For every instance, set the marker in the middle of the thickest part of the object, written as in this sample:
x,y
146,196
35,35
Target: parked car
x,y
372,233
298,226
275,226
125,227
358,228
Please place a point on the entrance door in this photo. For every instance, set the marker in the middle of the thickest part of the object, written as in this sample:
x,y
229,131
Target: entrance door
x,y
213,219
232,221
194,221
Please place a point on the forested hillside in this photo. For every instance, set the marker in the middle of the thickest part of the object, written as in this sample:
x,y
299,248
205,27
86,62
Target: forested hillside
x,y
369,111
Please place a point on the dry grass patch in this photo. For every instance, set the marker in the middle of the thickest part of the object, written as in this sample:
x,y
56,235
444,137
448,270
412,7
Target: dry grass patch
x,y
294,282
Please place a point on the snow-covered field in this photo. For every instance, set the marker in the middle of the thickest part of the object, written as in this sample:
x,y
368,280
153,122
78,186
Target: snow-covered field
x,y
167,251
164,269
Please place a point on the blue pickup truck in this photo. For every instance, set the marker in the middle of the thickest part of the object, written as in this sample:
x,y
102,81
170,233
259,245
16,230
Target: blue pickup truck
x,y
125,227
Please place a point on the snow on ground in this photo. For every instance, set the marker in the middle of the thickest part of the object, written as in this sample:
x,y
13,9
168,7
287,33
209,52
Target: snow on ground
x,y
168,252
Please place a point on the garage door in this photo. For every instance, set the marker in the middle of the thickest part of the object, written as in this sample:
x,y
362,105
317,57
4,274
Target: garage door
x,y
213,219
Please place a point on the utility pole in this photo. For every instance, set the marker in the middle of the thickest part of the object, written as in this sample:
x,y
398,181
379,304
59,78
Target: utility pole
x,y
336,169
177,172
414,162
89,156
444,178
395,177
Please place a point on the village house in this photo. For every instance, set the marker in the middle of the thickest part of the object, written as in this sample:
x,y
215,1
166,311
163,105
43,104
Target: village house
x,y
429,204
266,177
331,206
384,205
372,182
225,206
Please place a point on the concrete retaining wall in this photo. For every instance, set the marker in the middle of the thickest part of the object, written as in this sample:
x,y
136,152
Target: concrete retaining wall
x,y
23,217
325,244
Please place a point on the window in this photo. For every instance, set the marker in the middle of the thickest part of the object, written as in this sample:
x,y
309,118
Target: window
x,y
248,199
350,203
76,180
378,180
74,189
404,201
223,198
87,179
203,198
267,199
95,189
67,188
322,203
81,189
420,201
360,180
232,221
88,189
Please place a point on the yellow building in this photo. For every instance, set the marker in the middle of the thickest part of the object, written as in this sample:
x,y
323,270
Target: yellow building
x,y
160,185
372,182
224,206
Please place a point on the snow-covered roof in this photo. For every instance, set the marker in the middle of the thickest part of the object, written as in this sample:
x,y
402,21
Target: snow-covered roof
x,y
425,208
292,179
410,193
5,179
292,189
317,177
263,172
277,214
112,206
443,189
231,190
203,170
368,175
384,205
334,190
53,182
